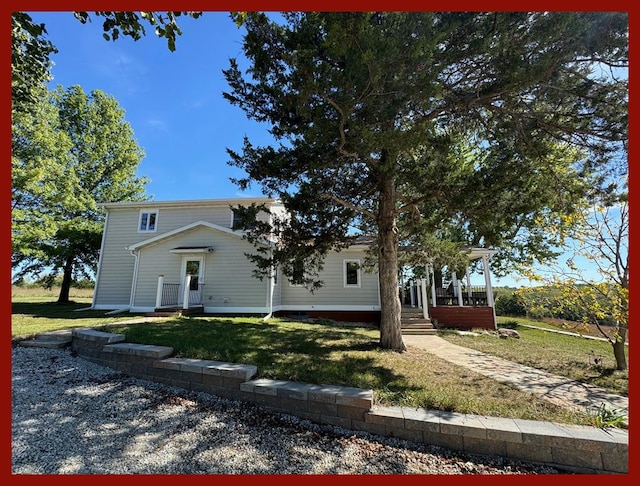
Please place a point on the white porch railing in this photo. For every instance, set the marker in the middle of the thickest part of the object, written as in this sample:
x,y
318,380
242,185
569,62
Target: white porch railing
x,y
168,294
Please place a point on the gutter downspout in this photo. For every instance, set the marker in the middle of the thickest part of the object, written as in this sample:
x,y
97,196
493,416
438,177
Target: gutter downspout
x,y
487,281
270,289
134,280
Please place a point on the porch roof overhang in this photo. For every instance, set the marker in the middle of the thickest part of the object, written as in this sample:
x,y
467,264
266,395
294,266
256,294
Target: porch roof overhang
x,y
475,253
191,249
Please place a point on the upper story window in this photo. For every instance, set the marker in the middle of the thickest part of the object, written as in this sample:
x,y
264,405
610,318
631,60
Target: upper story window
x,y
148,221
351,273
242,219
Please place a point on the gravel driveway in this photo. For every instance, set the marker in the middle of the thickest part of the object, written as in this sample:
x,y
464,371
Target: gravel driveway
x,y
70,416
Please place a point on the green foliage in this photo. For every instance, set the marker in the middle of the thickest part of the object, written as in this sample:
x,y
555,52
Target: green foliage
x,y
50,280
132,24
510,305
30,63
71,152
604,416
424,129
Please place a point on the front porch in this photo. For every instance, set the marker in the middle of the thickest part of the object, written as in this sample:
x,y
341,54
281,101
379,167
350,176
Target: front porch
x,y
458,304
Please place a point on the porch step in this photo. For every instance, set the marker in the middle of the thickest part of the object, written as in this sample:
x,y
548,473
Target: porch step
x,y
175,311
412,321
53,339
420,329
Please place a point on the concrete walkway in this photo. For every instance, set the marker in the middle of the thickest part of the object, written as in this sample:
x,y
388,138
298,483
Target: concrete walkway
x,y
557,389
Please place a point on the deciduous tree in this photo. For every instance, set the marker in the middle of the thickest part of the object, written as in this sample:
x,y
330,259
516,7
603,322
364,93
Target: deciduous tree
x,y
70,152
594,274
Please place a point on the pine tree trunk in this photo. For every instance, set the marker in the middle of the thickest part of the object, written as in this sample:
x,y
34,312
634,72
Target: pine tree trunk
x,y
390,309
63,297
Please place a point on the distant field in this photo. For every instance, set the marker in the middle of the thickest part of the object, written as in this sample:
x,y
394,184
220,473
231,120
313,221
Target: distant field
x,y
39,294
34,310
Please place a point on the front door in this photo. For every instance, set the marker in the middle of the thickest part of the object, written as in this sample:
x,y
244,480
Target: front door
x,y
194,267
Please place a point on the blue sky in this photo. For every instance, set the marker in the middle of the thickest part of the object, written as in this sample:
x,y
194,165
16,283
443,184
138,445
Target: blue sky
x,y
172,100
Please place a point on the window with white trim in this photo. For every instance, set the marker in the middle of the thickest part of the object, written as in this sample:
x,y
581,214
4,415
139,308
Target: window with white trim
x,y
351,273
297,278
148,221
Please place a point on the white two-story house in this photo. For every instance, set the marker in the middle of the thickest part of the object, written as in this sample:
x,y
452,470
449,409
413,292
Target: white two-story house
x,y
185,254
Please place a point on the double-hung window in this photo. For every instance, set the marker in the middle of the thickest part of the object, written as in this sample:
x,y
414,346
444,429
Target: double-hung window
x,y
148,221
351,273
297,277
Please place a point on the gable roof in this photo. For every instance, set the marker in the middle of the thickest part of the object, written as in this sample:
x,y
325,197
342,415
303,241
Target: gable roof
x,y
184,229
242,201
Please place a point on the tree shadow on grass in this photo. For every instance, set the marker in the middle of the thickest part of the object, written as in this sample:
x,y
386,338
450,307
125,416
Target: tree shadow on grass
x,y
302,353
53,310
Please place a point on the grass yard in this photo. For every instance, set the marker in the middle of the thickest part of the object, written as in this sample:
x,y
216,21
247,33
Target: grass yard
x,y
348,356
583,360
34,310
325,353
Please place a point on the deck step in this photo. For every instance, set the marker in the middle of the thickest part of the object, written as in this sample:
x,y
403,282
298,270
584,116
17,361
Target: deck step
x,y
412,322
419,332
175,312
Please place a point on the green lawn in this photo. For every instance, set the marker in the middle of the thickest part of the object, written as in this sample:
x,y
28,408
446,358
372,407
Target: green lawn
x,y
34,310
584,360
325,353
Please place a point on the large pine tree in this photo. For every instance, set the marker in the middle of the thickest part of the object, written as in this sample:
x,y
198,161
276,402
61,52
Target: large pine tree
x,y
486,125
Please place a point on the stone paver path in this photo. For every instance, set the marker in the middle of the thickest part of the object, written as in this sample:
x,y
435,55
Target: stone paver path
x,y
556,389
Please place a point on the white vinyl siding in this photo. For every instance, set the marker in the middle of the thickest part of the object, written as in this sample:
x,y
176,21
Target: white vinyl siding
x,y
228,273
228,279
333,292
117,263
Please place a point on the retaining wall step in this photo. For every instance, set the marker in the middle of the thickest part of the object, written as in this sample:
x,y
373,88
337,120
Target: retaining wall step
x,y
52,339
42,343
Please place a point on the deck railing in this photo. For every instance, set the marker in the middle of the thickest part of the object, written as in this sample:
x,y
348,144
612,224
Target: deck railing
x,y
475,295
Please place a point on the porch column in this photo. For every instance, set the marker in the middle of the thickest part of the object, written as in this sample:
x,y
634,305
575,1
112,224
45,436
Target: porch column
x,y
454,285
457,288
159,291
423,294
487,281
187,289
469,292
411,293
419,292
433,286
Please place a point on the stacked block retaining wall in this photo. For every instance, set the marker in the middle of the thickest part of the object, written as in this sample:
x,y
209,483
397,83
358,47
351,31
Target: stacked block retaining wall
x,y
571,448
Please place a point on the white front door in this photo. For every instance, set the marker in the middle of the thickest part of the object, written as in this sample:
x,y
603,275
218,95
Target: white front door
x,y
194,267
